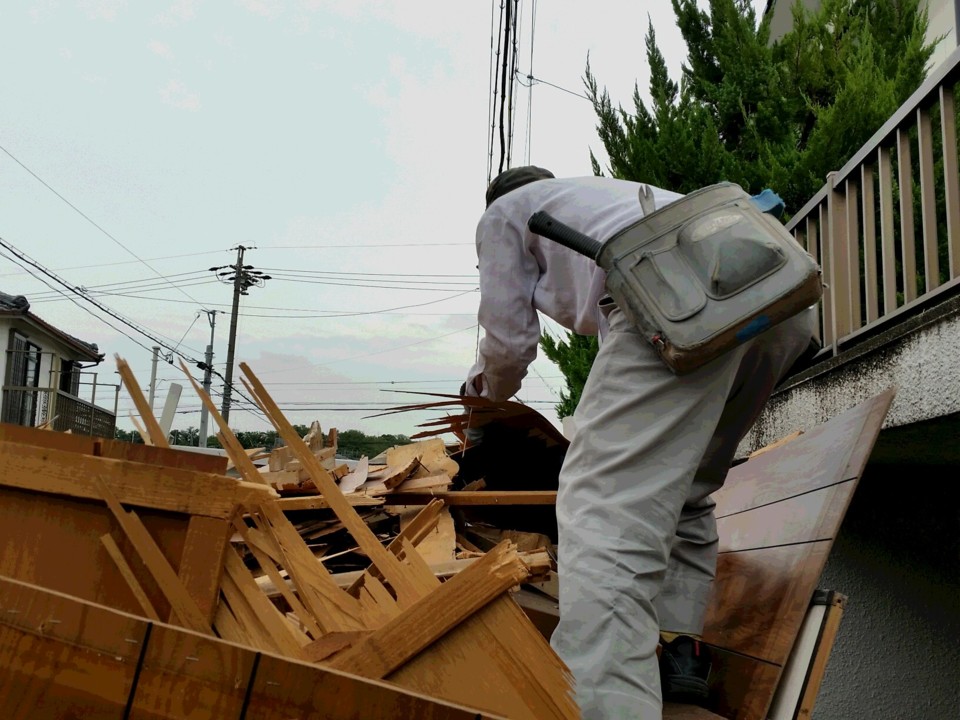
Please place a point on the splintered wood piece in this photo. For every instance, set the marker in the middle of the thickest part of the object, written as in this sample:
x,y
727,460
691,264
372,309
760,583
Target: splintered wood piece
x,y
113,550
332,608
393,475
440,544
266,561
440,481
386,649
387,563
183,605
330,644
356,478
143,407
265,615
418,528
431,456
141,431
235,451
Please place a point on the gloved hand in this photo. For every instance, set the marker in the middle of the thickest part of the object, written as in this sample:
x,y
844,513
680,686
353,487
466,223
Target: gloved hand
x,y
474,436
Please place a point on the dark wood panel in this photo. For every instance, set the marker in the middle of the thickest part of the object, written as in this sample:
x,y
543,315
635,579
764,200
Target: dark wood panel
x,y
760,598
63,659
804,518
816,459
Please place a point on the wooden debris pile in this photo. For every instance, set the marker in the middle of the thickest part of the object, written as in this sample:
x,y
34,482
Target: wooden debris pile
x,y
222,558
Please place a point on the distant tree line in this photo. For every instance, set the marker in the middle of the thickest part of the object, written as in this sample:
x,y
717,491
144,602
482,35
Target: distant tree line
x,y
352,444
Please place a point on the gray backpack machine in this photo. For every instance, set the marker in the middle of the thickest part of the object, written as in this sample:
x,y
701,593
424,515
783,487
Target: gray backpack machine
x,y
701,275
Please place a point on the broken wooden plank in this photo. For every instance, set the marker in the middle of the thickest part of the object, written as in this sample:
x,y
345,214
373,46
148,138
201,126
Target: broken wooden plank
x,y
183,605
202,560
318,502
482,497
385,561
113,550
241,591
59,472
386,649
153,430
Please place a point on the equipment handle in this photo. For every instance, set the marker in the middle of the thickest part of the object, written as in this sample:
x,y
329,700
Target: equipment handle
x,y
543,223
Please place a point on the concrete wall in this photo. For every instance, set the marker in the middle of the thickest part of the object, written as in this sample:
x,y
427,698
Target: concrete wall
x,y
897,557
920,356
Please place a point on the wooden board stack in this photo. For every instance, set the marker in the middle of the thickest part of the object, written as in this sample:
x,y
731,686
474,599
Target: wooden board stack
x,y
153,540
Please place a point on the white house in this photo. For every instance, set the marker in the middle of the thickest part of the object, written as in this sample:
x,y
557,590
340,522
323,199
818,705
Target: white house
x,y
47,375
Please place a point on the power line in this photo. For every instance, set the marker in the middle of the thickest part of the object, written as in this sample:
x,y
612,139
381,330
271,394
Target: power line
x,y
85,216
113,313
533,80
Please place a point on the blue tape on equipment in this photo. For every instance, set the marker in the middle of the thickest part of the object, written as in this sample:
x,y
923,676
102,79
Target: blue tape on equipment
x,y
753,328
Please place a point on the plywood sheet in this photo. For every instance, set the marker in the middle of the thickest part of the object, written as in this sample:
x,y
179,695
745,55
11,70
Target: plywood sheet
x,y
62,659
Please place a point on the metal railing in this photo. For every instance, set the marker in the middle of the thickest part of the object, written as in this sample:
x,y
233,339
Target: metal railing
x,y
62,410
886,226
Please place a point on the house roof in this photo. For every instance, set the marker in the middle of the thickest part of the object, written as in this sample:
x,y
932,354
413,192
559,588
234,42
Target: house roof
x,y
18,305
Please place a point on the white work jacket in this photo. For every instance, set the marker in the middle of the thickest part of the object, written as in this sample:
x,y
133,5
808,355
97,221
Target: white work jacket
x,y
521,272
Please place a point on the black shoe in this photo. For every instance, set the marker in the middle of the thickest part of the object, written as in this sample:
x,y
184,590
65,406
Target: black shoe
x,y
684,670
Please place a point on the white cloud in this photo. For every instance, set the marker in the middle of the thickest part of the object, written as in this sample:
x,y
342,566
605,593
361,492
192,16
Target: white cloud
x,y
161,49
176,95
178,12
103,9
265,8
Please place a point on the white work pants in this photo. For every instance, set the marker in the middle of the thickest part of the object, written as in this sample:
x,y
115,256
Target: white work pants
x,y
638,538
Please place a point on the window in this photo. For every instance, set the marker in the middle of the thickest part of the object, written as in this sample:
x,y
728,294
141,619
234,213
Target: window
x,y
70,376
23,372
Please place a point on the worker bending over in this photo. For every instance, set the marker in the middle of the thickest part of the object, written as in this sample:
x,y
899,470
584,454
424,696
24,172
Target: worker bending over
x,y
637,533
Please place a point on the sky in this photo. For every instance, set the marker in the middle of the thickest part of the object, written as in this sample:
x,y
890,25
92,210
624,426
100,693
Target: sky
x,y
345,143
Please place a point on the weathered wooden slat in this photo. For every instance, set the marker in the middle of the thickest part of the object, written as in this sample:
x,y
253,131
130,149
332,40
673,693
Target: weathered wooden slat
x,y
887,252
869,208
951,179
908,242
928,201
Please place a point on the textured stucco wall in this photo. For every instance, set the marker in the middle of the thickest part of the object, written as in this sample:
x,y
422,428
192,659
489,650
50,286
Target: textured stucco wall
x,y
897,557
924,365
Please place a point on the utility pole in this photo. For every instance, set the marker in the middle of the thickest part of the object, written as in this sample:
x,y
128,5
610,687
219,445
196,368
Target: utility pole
x,y
153,375
207,377
243,278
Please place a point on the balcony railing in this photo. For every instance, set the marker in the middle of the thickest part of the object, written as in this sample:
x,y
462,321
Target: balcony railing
x,y
886,226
